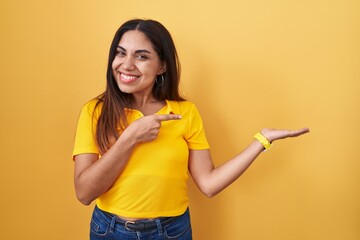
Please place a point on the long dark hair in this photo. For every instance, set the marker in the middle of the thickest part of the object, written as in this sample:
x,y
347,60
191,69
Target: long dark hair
x,y
112,117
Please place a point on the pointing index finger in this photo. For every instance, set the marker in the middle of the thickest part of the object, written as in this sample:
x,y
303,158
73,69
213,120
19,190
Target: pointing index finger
x,y
167,117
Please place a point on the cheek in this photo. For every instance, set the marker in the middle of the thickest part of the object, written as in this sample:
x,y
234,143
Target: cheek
x,y
114,67
151,69
114,64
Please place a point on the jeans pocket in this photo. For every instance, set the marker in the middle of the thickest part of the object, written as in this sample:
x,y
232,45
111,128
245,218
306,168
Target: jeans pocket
x,y
179,232
98,229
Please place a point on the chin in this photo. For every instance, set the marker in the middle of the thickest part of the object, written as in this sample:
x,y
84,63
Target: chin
x,y
126,90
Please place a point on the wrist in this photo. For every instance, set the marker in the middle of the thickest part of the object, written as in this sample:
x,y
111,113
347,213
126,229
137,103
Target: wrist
x,y
263,140
265,133
129,137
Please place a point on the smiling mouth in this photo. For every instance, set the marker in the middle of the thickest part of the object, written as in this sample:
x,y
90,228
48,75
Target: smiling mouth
x,y
128,78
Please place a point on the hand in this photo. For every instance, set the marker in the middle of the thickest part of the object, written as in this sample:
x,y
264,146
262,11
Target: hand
x,y
276,134
147,128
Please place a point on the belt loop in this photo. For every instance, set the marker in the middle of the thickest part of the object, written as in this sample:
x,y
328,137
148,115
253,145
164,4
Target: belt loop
x,y
112,225
159,226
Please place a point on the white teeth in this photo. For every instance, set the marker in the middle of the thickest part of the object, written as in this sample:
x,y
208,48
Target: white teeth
x,y
127,77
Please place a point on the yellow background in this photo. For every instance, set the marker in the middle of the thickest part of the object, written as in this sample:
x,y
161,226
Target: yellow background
x,y
246,64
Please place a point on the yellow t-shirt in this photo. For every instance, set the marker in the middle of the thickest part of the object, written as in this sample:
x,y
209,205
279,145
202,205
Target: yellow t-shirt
x,y
154,182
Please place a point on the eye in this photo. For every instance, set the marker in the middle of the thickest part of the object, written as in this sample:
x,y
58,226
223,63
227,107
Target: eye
x,y
120,53
141,57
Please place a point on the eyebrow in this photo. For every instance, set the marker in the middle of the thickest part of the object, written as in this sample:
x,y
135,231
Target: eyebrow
x,y
137,51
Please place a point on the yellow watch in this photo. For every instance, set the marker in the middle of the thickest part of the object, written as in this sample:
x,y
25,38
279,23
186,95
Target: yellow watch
x,y
263,140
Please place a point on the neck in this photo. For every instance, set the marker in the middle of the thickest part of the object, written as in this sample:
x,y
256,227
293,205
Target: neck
x,y
142,100
147,104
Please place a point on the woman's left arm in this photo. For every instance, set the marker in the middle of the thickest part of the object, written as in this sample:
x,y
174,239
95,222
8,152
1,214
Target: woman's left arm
x,y
211,180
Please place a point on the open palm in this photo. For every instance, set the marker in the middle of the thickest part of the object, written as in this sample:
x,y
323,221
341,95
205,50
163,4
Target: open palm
x,y
276,134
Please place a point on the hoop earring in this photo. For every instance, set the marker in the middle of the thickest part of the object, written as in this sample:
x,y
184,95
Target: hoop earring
x,y
160,82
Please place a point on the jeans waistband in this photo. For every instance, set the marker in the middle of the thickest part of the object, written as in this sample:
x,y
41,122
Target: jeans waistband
x,y
139,225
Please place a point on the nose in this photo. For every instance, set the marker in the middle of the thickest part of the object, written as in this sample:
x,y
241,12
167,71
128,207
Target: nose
x,y
128,63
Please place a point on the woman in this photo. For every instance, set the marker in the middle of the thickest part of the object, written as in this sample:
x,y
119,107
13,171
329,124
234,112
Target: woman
x,y
136,143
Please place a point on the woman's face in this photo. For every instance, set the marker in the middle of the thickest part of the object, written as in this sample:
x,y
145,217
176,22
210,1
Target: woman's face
x,y
136,64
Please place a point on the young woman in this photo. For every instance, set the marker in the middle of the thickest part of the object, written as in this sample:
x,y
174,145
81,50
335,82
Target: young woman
x,y
136,143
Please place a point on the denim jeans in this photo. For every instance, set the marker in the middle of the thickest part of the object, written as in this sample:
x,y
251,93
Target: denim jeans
x,y
106,226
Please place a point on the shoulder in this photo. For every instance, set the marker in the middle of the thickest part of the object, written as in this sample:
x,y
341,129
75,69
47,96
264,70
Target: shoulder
x,y
187,109
186,104
180,107
180,104
92,105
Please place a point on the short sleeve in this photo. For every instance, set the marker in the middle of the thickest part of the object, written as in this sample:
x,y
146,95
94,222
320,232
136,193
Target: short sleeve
x,y
196,137
85,132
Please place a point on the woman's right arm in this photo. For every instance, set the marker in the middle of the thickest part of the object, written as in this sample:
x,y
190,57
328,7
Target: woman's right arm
x,y
94,176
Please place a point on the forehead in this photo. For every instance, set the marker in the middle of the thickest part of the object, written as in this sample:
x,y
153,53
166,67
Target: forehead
x,y
134,39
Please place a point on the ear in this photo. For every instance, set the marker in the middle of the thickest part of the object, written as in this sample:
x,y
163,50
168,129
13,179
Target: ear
x,y
162,69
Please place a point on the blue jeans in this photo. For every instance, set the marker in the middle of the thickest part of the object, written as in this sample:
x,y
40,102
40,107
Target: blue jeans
x,y
106,226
